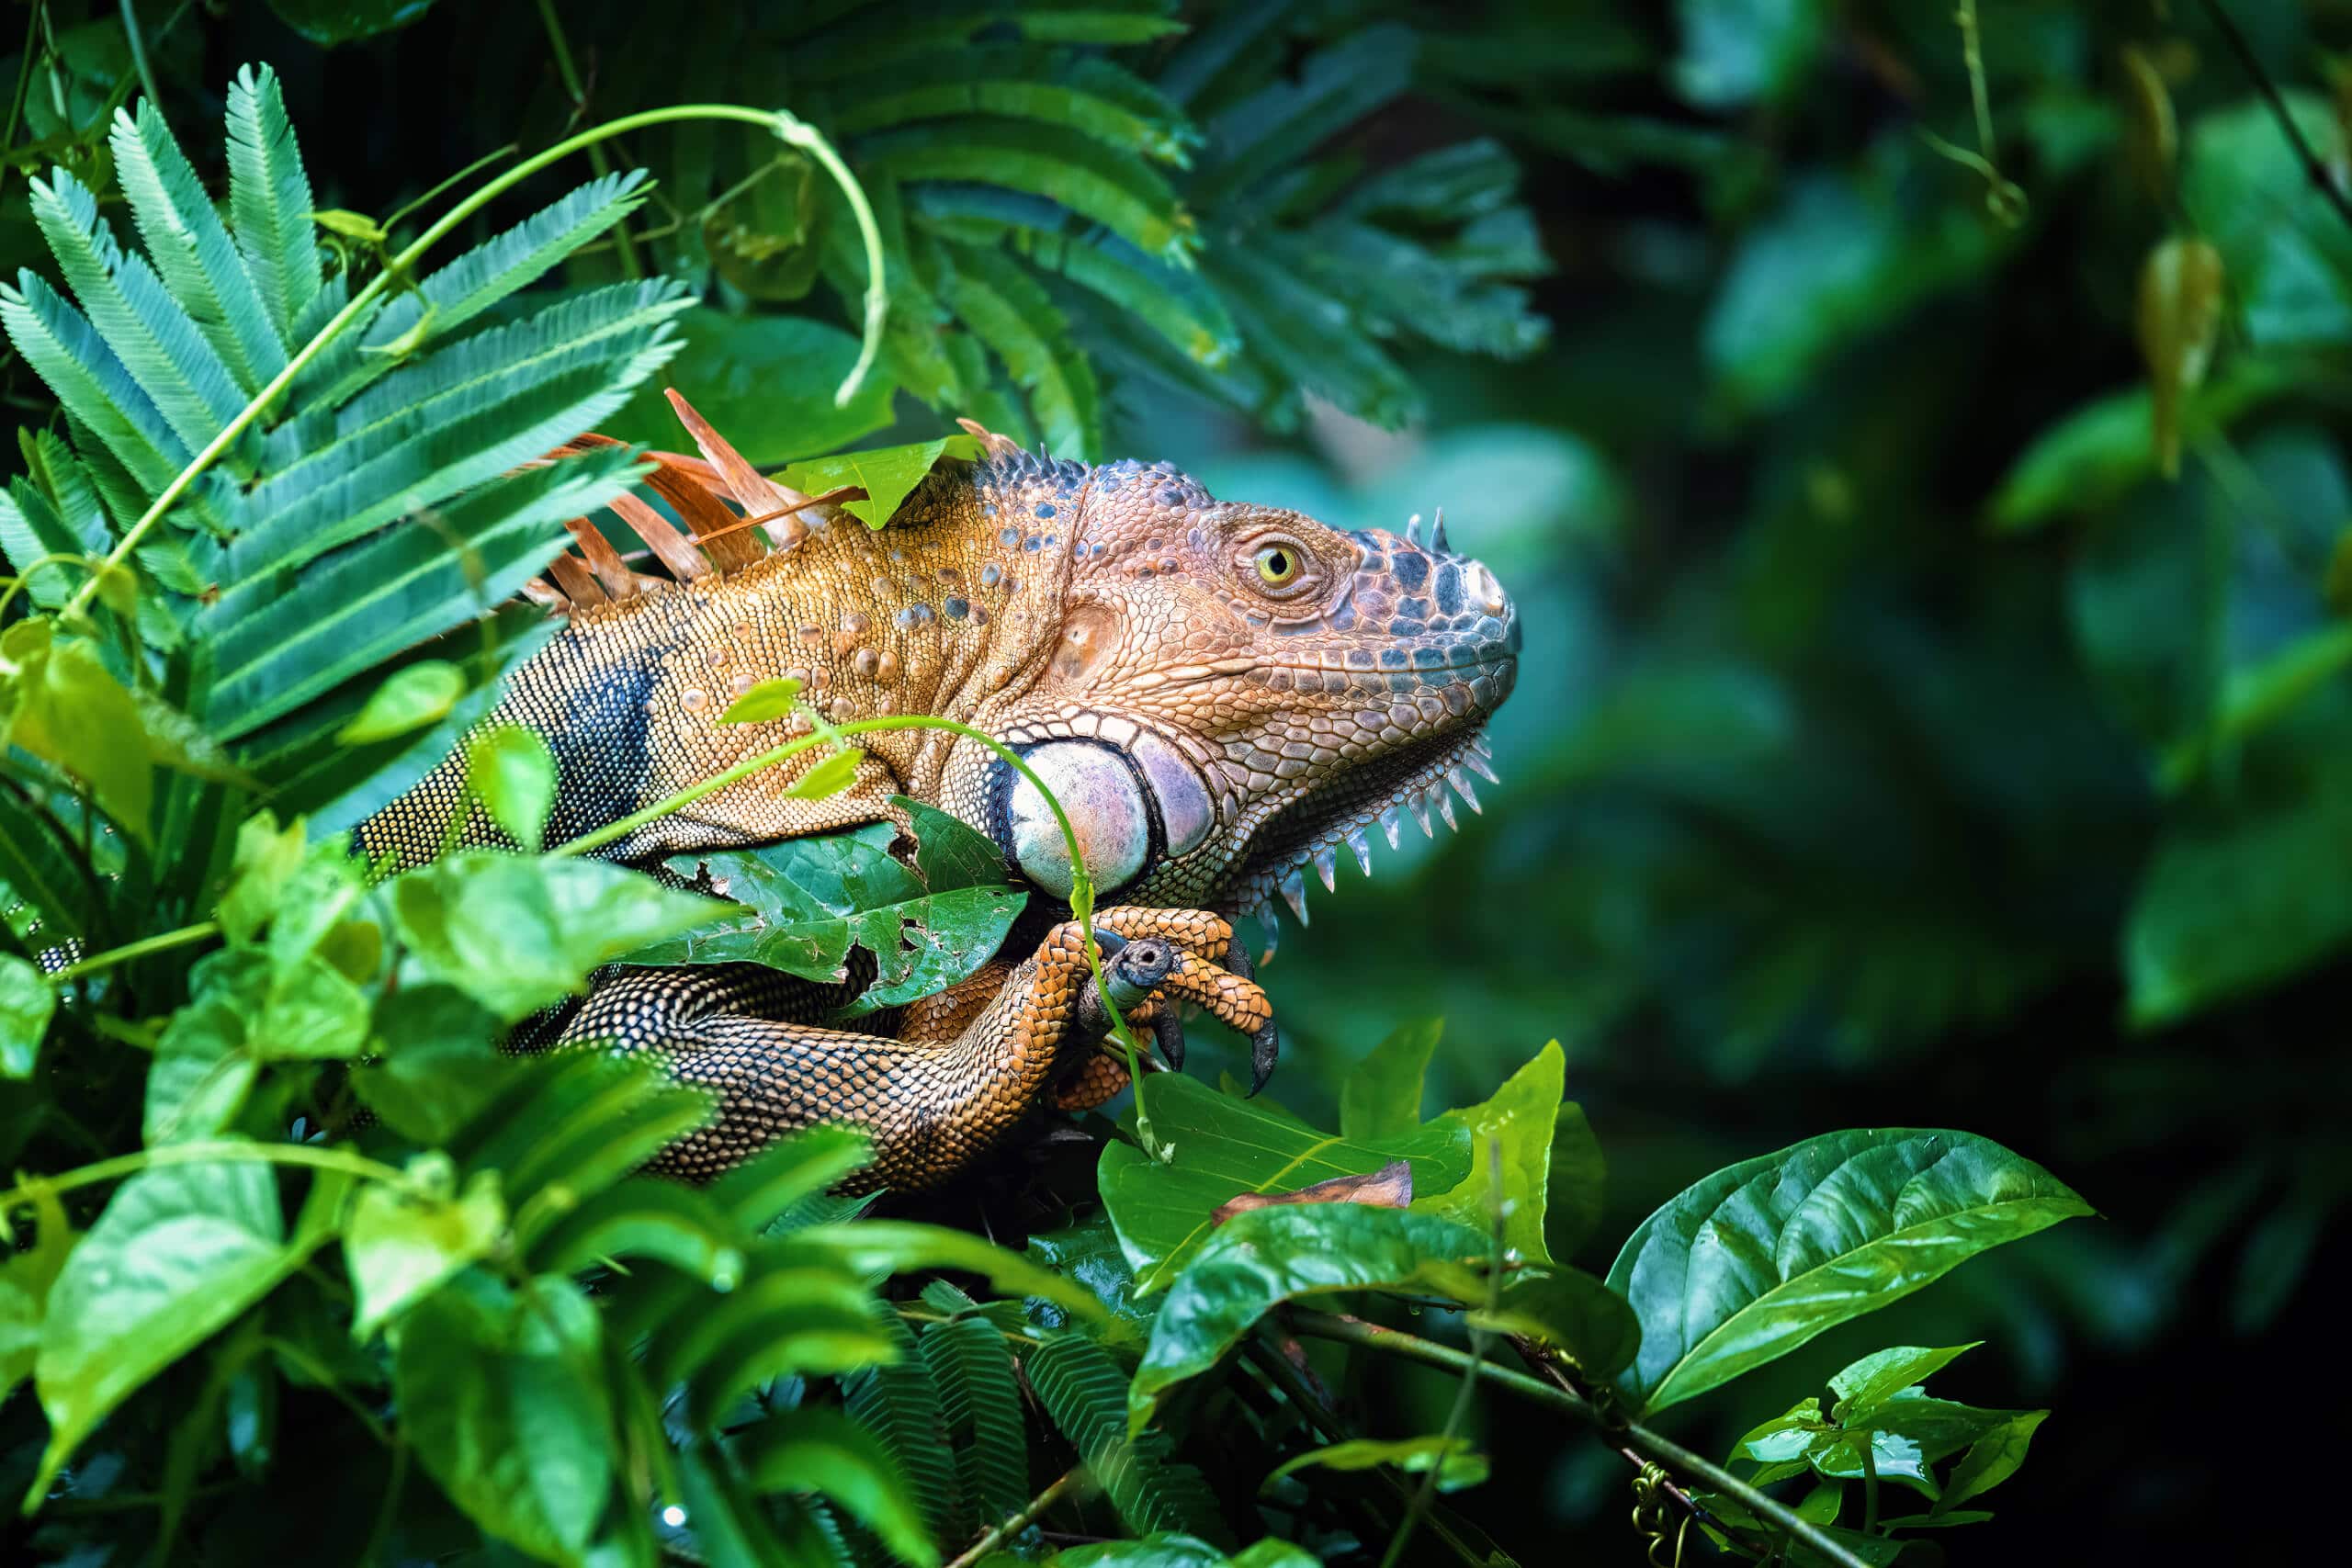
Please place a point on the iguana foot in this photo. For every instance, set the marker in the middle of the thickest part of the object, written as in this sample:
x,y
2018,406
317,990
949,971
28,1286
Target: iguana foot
x,y
971,1065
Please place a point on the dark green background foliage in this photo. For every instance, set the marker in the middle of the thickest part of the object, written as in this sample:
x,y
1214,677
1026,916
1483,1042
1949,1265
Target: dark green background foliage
x,y
1898,745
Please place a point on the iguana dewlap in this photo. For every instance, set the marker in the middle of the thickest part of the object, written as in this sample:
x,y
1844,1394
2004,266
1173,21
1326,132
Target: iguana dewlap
x,y
1220,694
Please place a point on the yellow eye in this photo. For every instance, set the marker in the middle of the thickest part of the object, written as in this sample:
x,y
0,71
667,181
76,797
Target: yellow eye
x,y
1279,565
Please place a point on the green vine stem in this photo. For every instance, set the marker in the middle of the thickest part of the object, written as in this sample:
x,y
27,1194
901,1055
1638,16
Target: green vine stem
x,y
1082,893
206,1151
1631,1435
786,125
161,942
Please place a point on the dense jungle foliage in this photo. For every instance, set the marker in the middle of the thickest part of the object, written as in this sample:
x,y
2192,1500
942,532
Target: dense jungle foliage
x,y
1911,431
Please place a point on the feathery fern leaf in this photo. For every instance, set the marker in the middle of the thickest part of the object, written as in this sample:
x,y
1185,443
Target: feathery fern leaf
x,y
980,1409
270,202
1008,311
192,249
1086,1394
899,1404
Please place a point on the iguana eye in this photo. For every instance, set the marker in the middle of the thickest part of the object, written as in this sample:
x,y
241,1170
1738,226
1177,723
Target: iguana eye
x,y
1279,564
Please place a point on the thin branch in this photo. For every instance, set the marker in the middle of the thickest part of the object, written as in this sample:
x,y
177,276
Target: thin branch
x,y
1641,1439
598,159
2312,167
1020,1521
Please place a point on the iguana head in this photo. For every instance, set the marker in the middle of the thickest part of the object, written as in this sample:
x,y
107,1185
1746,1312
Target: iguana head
x,y
1237,691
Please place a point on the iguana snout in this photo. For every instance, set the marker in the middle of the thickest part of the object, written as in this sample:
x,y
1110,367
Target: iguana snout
x,y
1238,690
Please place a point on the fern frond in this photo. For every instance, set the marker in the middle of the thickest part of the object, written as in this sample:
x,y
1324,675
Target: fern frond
x,y
521,255
1171,300
1274,128
1117,189
899,1404
85,375
1085,95
157,343
1017,320
367,602
980,1409
1309,338
1086,1394
455,418
270,202
191,247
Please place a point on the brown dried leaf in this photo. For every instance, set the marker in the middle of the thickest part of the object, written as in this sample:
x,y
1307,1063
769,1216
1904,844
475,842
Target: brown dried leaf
x,y
1390,1187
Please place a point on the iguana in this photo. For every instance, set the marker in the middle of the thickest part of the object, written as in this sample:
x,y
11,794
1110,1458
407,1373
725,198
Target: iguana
x,y
1221,695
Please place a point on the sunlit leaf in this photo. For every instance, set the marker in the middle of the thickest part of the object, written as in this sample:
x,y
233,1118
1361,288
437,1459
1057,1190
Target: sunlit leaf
x,y
1752,1262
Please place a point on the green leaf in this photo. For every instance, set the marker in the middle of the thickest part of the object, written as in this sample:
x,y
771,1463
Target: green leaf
x,y
517,934
767,381
1990,1460
1863,1387
27,1278
1457,1465
828,777
1382,1096
502,1393
767,700
822,1452
1264,1257
247,1009
1117,189
1089,1255
1569,1311
645,1217
1738,51
513,772
805,903
398,1248
1222,1145
2091,458
1009,310
59,702
2233,903
1760,1256
979,1408
1088,1397
178,1252
330,22
795,1168
411,697
27,1000
2247,193
1521,1117
887,474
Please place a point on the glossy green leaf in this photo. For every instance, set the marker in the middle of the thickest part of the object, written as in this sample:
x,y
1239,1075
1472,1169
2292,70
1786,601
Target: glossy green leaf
x,y
1265,1256
27,1000
178,1252
1568,1311
887,474
1169,1550
1382,1096
399,1246
1089,1254
822,1452
1519,1123
1863,1387
247,1010
513,773
502,1394
795,1168
1456,1463
59,702
1990,1460
517,933
807,902
331,22
1762,1255
1222,1145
